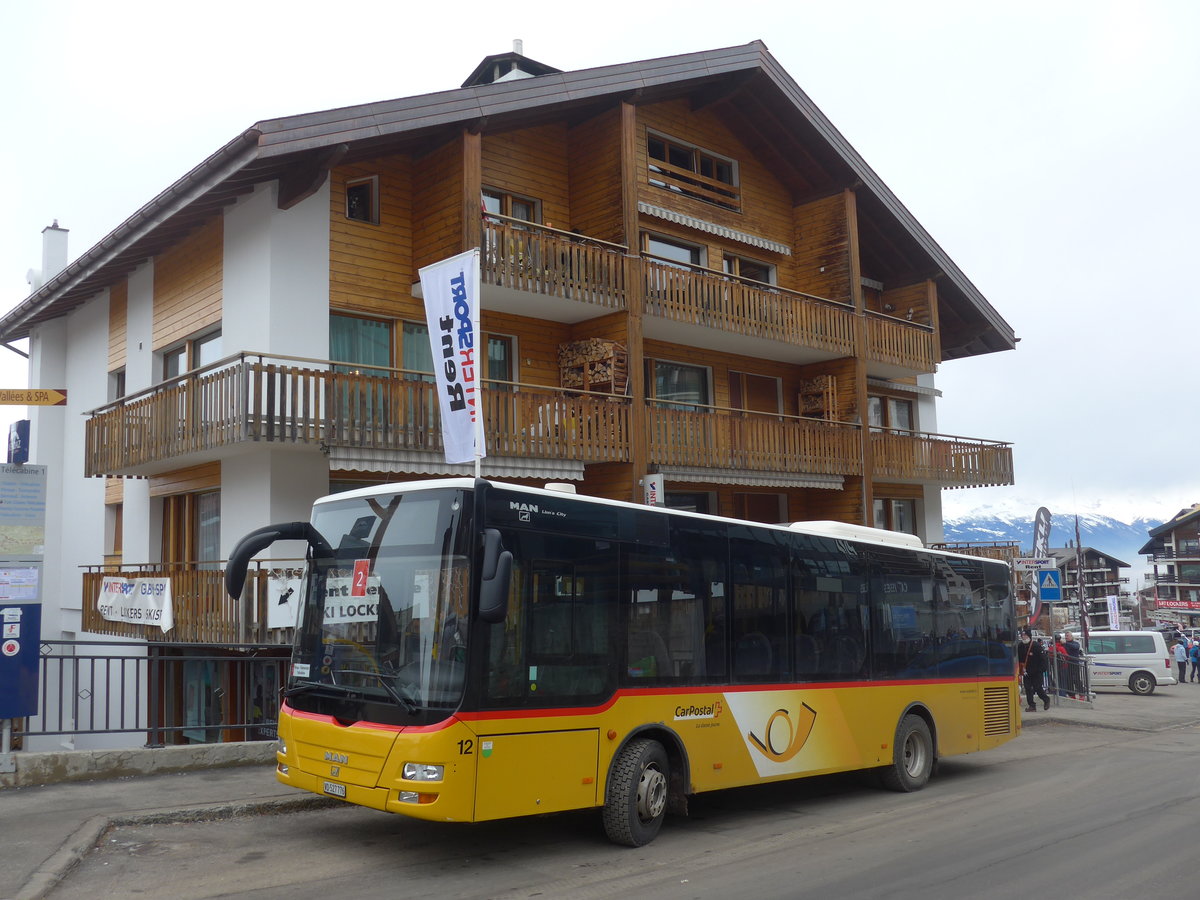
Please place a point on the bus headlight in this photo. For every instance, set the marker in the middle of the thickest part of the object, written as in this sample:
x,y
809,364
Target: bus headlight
x,y
423,772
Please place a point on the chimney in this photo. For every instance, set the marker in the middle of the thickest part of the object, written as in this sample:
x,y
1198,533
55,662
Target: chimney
x,y
54,256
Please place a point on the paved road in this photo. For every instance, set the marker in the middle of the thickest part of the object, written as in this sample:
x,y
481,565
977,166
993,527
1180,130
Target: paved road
x,y
1106,810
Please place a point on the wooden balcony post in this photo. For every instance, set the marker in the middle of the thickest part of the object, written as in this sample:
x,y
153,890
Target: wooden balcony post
x,y
860,355
635,287
472,186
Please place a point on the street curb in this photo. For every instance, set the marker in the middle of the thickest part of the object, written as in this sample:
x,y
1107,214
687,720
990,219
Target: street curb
x,y
88,835
57,767
1050,719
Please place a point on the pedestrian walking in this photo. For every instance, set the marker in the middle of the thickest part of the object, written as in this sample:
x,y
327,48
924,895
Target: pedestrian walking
x,y
1194,658
1181,660
1032,658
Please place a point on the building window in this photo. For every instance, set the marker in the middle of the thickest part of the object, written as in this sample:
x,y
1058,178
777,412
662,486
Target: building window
x,y
692,171
890,412
362,200
501,203
673,252
896,515
750,269
193,353
360,343
677,383
501,357
192,528
116,385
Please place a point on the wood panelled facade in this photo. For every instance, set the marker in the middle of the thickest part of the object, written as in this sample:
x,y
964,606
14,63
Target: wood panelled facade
x,y
665,221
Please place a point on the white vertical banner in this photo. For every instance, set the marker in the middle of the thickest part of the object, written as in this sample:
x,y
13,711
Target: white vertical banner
x,y
1114,613
451,289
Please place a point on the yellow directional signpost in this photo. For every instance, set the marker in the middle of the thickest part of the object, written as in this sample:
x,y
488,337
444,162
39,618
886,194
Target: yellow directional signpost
x,y
32,397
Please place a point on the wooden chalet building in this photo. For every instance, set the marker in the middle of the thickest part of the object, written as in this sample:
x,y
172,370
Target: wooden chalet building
x,y
1100,579
686,271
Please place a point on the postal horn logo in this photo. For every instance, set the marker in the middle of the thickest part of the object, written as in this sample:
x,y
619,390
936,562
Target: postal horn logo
x,y
782,738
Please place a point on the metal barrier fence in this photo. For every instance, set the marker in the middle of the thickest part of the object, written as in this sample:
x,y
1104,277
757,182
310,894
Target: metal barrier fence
x,y
1068,678
172,693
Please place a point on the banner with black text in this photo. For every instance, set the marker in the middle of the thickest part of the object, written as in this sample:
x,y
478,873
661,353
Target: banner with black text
x,y
451,289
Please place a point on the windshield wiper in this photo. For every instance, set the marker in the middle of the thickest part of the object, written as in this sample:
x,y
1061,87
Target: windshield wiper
x,y
307,687
400,699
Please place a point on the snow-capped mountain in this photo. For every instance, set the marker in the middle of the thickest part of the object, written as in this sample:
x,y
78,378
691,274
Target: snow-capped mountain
x,y
1110,536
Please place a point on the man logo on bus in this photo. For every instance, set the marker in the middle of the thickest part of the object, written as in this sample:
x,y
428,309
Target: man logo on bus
x,y
783,739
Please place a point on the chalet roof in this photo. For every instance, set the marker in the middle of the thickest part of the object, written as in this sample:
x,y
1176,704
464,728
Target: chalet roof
x,y
1183,517
1066,555
744,84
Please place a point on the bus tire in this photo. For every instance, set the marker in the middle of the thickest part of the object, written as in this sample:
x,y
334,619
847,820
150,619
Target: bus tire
x,y
635,801
912,756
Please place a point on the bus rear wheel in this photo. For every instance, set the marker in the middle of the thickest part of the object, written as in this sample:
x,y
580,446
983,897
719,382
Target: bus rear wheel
x,y
912,756
635,802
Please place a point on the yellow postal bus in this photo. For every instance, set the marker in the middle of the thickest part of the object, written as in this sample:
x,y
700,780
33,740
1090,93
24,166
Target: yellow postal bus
x,y
469,650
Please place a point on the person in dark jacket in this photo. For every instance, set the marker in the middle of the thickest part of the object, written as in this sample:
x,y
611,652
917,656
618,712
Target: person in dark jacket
x,y
1032,657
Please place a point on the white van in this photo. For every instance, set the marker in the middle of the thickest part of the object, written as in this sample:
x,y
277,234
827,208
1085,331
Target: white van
x,y
1138,660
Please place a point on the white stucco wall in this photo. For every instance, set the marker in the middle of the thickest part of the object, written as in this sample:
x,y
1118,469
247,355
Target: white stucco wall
x,y
69,352
266,487
276,276
932,528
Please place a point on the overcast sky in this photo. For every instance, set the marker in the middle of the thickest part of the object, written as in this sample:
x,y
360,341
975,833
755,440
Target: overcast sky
x,y
1049,147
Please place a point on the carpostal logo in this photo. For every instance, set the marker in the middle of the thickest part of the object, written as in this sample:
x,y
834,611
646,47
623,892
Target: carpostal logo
x,y
782,738
699,711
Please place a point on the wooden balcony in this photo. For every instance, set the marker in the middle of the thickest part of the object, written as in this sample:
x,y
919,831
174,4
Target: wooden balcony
x,y
897,346
697,436
202,611
254,398
593,277
947,461
695,296
522,256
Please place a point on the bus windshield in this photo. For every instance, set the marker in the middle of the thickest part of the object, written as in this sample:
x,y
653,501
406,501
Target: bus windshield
x,y
384,616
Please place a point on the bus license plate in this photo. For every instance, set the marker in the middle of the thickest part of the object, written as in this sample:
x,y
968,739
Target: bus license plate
x,y
336,790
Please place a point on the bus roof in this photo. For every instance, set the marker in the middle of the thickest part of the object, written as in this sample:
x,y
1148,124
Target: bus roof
x,y
818,528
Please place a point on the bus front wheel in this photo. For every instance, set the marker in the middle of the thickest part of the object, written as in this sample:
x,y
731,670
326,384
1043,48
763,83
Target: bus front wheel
x,y
635,802
912,756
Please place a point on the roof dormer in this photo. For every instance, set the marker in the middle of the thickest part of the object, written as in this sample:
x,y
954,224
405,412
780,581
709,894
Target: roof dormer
x,y
507,67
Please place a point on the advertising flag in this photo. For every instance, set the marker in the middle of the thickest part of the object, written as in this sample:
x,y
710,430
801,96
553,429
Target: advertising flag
x,y
451,289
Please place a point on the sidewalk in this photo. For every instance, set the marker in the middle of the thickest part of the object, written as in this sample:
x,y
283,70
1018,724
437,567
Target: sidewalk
x,y
48,828
1175,706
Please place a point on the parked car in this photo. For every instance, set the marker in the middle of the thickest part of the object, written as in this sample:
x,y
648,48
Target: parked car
x,y
1138,660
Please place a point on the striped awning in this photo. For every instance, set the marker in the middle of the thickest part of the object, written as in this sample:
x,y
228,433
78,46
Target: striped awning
x,y
417,462
743,237
751,479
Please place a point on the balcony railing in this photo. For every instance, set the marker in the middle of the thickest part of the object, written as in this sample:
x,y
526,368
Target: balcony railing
x,y
524,256
527,257
695,435
258,398
203,612
940,459
698,296
896,342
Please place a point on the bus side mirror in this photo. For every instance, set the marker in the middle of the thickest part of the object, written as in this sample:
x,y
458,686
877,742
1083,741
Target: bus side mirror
x,y
260,539
494,578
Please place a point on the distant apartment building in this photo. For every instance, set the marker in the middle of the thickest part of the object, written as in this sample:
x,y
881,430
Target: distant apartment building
x,y
1173,550
687,273
1098,579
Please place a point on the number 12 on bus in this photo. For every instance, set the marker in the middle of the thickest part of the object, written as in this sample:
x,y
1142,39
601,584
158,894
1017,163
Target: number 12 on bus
x,y
469,650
